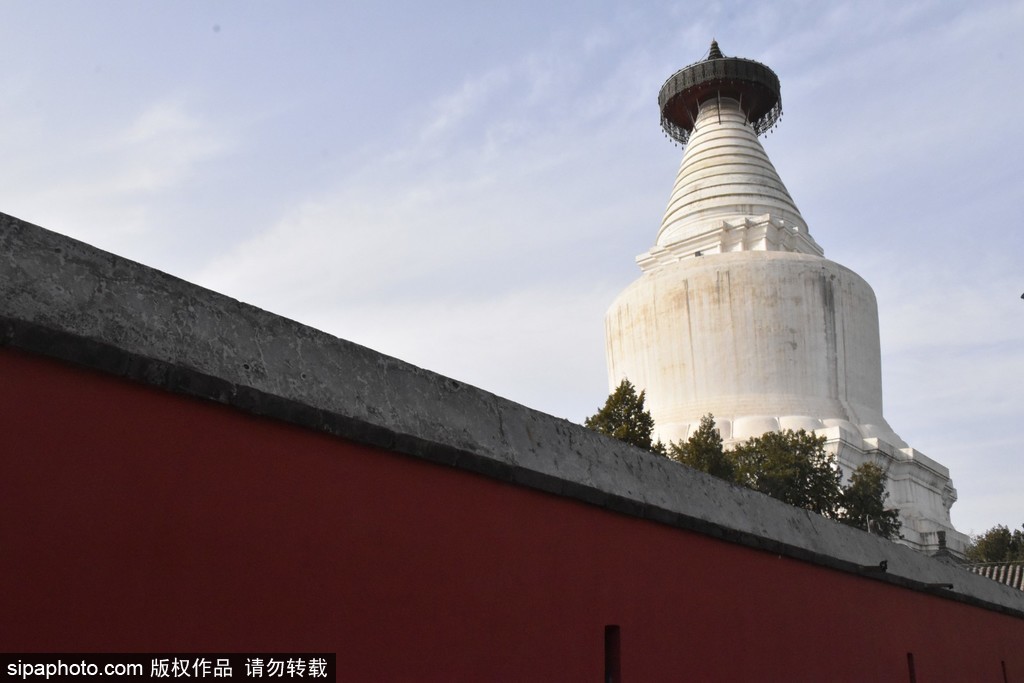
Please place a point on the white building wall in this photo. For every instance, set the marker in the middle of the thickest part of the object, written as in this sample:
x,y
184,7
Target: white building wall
x,y
751,336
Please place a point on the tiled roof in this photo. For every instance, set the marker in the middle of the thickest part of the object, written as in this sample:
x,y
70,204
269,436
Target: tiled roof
x,y
1010,573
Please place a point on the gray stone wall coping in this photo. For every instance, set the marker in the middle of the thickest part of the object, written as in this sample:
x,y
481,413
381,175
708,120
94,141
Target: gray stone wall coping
x,y
68,300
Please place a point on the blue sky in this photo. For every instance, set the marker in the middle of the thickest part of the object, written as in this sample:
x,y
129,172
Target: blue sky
x,y
465,185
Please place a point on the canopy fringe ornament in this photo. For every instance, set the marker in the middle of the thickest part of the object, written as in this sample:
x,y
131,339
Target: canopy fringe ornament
x,y
753,84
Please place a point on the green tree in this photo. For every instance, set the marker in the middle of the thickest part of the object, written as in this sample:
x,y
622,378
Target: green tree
x,y
998,544
703,451
863,503
625,418
792,467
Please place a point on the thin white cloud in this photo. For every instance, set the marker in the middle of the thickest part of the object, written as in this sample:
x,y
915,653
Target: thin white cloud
x,y
486,210
107,184
447,113
161,148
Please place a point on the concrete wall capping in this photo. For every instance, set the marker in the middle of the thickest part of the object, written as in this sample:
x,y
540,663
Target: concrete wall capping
x,y
67,300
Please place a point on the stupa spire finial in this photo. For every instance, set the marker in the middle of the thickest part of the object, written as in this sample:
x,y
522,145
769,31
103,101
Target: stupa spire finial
x,y
752,84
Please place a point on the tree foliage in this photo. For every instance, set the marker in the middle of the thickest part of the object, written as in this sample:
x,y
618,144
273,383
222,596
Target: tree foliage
x,y
625,418
863,503
703,451
792,467
998,544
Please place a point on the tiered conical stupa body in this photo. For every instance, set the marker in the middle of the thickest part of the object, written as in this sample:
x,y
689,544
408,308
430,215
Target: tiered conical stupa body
x,y
738,314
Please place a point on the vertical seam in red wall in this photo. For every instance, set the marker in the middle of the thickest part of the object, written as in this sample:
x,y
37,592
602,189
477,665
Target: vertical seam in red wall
x,y
612,654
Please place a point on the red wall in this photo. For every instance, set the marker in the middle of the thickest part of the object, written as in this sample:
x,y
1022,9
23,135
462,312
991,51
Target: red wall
x,y
132,519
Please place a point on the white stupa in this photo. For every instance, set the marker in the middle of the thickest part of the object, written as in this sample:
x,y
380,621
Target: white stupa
x,y
738,314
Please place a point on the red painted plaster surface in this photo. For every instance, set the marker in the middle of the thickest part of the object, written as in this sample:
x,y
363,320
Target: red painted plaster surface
x,y
136,520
